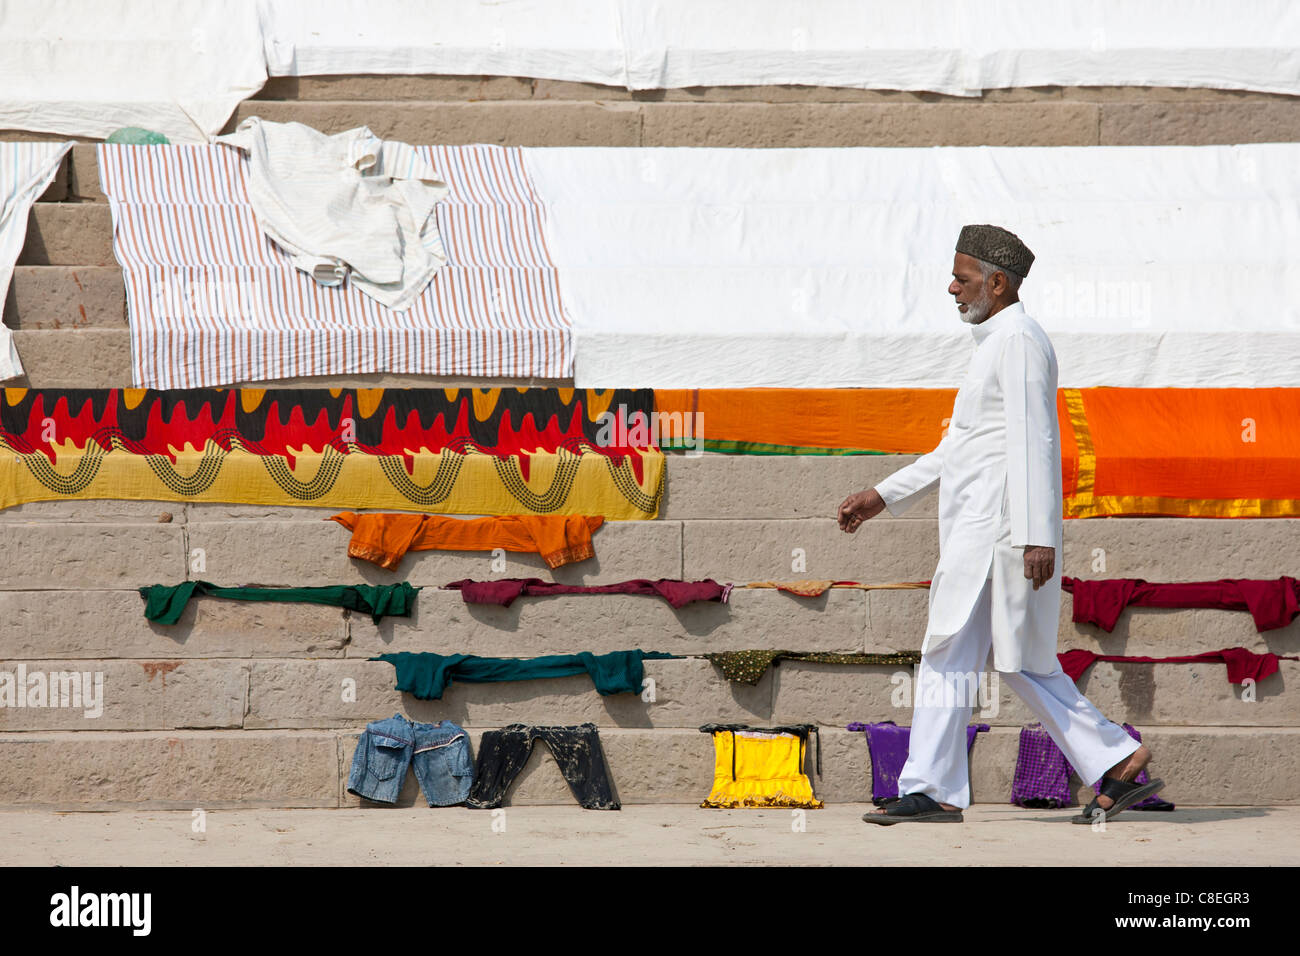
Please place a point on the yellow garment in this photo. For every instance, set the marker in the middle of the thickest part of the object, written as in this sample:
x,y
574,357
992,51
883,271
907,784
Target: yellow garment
x,y
561,483
769,771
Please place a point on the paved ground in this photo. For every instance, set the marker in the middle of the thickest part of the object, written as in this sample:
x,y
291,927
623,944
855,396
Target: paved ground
x,y
644,835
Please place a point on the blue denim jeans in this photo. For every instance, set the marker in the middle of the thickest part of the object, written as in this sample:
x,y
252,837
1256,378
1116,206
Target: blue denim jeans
x,y
439,754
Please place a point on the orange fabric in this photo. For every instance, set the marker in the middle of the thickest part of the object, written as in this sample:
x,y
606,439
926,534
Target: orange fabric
x,y
1189,452
1196,452
894,420
384,539
816,588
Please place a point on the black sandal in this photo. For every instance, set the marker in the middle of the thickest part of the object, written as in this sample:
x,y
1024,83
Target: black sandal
x,y
913,808
1125,793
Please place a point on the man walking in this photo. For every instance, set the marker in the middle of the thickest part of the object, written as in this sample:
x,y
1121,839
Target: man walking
x,y
998,583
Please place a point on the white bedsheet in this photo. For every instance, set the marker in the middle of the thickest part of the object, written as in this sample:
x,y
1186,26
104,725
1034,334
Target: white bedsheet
x,y
945,46
179,67
1157,266
182,66
548,39
26,171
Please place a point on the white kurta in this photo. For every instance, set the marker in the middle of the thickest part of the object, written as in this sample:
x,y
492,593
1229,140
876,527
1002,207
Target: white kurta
x,y
998,469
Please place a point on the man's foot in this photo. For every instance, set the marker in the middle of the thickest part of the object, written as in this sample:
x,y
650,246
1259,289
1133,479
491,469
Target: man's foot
x,y
1118,790
914,808
1126,770
893,800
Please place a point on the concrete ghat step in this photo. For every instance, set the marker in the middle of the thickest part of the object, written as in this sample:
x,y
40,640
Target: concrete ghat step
x,y
891,549
68,234
66,297
286,551
48,624
222,769
687,692
74,358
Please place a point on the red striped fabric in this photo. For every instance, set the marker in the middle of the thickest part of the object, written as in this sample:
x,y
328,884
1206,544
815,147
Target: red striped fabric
x,y
212,301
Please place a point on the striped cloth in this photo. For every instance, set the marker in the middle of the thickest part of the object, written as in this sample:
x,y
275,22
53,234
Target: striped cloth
x,y
212,301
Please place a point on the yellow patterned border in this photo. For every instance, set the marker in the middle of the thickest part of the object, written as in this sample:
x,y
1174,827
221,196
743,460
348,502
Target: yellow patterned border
x,y
1081,500
1138,505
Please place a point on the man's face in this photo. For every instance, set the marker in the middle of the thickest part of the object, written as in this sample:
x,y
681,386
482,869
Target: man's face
x,y
969,289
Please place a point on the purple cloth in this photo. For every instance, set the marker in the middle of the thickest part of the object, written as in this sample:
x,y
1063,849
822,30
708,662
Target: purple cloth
x,y
1043,774
504,591
888,744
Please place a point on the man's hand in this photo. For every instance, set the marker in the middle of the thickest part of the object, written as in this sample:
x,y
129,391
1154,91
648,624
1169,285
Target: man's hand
x,y
1040,562
858,508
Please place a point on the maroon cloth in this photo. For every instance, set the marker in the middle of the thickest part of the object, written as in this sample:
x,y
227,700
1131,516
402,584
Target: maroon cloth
x,y
1272,604
1241,662
504,591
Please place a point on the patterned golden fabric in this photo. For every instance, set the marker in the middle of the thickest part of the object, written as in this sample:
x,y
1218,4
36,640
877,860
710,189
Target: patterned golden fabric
x,y
748,667
456,451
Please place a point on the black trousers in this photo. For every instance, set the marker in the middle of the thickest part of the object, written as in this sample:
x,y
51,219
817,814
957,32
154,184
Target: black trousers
x,y
503,753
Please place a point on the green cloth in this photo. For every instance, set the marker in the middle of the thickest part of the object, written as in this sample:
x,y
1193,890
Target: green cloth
x,y
135,136
165,603
427,675
730,447
748,667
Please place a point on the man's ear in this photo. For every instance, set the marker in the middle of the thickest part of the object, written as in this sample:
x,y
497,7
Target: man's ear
x,y
999,284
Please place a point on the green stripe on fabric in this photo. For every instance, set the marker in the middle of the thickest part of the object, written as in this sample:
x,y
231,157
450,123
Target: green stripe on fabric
x,y
763,448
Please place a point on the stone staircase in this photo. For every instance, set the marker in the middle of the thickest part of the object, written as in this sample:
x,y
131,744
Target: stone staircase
x,y
242,705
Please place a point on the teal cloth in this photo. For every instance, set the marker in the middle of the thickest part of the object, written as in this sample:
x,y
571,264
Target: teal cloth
x,y
427,675
136,136
165,603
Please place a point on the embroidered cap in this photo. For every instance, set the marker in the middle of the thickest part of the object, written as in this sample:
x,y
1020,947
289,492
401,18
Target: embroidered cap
x,y
994,244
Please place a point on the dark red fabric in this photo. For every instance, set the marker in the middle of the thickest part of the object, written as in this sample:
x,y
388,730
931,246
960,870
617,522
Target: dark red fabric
x,y
504,591
1272,604
1241,662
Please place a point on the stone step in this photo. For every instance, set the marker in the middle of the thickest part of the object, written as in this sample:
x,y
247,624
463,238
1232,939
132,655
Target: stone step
x,y
48,624
68,234
78,177
66,298
133,553
775,486
74,357
214,769
892,549
83,174
108,695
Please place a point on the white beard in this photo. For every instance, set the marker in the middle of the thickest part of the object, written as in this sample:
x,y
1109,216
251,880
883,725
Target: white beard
x,y
977,311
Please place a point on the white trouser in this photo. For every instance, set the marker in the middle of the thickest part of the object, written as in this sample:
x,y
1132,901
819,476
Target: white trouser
x,y
936,761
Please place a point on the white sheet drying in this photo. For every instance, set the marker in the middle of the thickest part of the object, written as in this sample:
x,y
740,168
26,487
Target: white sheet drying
x,y
26,171
182,66
348,204
179,67
945,46
1157,266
